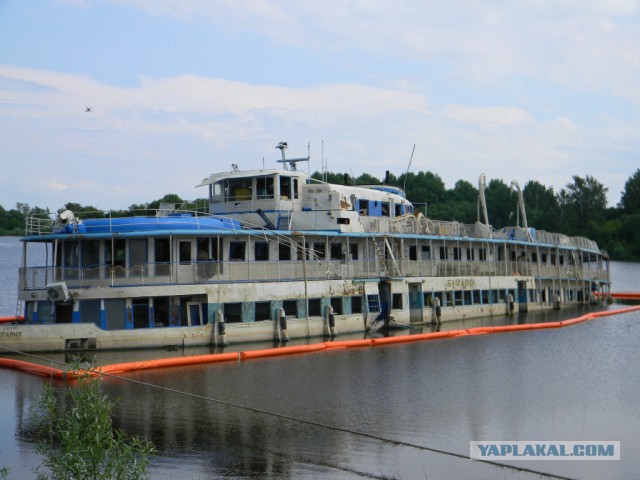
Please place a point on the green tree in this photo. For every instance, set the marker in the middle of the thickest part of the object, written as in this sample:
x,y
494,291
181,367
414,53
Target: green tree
x,y
630,200
78,440
582,202
367,179
501,205
541,206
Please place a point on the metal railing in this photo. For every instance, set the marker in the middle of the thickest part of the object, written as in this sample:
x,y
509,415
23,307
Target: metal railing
x,y
211,271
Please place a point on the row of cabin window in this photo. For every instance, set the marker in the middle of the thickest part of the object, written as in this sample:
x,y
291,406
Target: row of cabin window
x,y
376,208
470,254
86,253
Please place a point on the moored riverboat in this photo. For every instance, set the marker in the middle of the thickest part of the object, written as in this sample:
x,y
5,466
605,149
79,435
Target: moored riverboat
x,y
279,255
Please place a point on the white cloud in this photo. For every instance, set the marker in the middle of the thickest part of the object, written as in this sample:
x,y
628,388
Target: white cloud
x,y
490,115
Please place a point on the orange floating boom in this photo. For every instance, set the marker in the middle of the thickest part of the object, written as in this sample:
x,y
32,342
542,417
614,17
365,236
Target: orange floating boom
x,y
42,370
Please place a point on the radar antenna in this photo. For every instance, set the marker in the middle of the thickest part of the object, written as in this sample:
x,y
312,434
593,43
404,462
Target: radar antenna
x,y
291,162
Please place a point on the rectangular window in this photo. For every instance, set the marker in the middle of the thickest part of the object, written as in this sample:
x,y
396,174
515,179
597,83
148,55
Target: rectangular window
x,y
320,250
71,259
237,251
457,253
373,302
161,312
115,255
413,252
138,251
239,189
184,252
466,297
336,304
264,187
284,251
232,312
261,251
285,187
476,297
356,304
203,249
162,250
444,254
336,251
140,311
385,209
353,250
263,311
315,307
396,301
470,254
485,297
290,308
90,256
426,252
482,254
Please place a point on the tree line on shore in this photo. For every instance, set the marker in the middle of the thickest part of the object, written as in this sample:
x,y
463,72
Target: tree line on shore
x,y
578,209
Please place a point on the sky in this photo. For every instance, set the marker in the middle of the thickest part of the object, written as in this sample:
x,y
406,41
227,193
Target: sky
x,y
180,89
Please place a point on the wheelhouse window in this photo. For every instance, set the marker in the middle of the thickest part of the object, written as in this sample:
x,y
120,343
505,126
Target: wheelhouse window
x,y
264,187
238,189
285,187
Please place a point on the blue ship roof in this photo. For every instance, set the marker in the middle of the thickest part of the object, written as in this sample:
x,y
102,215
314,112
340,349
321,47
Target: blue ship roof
x,y
146,224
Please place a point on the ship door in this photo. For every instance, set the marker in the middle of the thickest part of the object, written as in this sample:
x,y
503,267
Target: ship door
x,y
194,311
522,296
186,266
416,307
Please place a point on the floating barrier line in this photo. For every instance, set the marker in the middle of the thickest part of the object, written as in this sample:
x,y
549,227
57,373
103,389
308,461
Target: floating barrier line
x,y
117,368
12,318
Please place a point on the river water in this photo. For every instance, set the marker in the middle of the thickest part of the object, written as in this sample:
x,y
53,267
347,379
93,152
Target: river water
x,y
401,411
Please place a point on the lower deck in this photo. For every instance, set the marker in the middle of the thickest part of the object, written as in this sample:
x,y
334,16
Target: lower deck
x,y
148,316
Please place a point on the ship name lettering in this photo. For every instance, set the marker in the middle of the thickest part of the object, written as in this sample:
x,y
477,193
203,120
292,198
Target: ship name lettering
x,y
461,283
10,334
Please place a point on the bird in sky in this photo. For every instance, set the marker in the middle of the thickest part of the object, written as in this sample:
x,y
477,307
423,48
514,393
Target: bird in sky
x,y
87,109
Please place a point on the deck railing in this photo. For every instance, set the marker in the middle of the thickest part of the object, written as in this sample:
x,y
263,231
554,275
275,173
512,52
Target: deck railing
x,y
202,272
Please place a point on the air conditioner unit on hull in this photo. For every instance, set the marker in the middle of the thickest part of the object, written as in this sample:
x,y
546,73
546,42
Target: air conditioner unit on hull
x,y
58,292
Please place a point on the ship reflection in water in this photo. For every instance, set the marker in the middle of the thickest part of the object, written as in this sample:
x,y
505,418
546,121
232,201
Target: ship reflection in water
x,y
401,411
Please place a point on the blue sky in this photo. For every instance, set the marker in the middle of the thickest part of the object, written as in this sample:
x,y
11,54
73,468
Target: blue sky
x,y
518,90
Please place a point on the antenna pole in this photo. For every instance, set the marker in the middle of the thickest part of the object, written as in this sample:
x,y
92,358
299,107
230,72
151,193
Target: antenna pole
x,y
407,174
